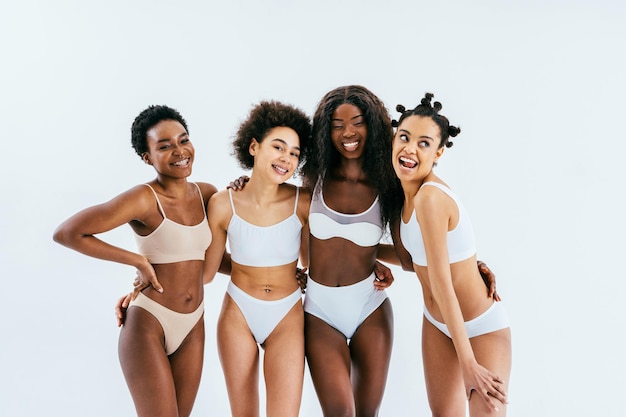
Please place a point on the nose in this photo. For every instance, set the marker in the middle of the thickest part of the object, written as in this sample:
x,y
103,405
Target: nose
x,y
410,147
348,132
179,151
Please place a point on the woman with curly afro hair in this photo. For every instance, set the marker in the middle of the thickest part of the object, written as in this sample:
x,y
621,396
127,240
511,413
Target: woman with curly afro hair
x,y
264,226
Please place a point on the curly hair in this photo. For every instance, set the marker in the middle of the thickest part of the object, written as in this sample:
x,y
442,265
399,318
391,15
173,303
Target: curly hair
x,y
146,120
377,151
262,118
426,109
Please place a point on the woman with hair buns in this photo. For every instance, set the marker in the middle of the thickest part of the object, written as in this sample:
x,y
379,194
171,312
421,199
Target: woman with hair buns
x,y
348,316
466,339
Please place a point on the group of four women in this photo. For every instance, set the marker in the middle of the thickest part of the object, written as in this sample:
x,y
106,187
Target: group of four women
x,y
359,180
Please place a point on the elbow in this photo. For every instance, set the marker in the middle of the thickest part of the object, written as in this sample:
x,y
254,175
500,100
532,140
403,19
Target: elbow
x,y
60,236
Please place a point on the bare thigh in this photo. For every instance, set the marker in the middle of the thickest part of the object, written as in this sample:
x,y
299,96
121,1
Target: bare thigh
x,y
328,357
442,373
284,365
186,364
239,356
493,351
154,383
370,349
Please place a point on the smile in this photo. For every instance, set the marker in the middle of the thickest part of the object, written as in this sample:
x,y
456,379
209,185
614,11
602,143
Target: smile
x,y
407,162
182,163
280,170
350,146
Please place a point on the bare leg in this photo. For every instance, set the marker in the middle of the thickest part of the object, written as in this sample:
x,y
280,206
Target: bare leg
x,y
444,381
328,357
239,355
371,352
146,366
493,351
284,365
186,364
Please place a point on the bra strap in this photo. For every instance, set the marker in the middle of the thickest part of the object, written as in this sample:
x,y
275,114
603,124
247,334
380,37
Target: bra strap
x,y
157,200
230,196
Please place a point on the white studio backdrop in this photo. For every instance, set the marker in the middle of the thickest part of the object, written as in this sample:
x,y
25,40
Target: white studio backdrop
x,y
537,88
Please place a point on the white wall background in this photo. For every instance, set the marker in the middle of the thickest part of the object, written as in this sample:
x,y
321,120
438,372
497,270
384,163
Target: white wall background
x,y
537,87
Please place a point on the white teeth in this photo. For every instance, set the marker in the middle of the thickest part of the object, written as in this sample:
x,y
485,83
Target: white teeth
x,y
350,145
182,163
406,162
279,169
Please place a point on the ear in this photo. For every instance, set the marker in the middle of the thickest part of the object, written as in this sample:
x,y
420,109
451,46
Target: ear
x,y
146,158
439,153
254,146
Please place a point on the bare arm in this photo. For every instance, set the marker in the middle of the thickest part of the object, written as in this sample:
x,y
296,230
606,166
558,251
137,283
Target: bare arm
x,y
218,213
79,231
433,211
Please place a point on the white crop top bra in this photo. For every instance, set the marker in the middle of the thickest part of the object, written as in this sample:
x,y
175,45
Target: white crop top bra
x,y
363,229
461,242
174,242
251,245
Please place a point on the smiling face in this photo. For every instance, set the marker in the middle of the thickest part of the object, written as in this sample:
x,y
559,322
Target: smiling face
x,y
348,131
416,148
277,154
169,149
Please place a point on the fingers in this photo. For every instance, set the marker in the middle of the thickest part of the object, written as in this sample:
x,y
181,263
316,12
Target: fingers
x,y
239,183
488,397
155,284
120,309
301,277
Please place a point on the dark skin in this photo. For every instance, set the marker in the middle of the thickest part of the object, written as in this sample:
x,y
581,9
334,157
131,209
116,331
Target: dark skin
x,y
353,376
348,376
160,384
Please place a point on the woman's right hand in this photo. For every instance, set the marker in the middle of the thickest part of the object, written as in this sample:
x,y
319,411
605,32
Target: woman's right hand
x,y
138,284
146,277
239,183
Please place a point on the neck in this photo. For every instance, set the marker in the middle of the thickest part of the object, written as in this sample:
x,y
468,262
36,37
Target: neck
x,y
176,187
351,169
261,191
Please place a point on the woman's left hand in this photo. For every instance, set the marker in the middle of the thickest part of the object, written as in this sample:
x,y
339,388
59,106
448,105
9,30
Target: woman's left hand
x,y
486,384
384,277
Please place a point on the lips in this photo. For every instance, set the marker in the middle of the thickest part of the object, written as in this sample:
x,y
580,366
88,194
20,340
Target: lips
x,y
407,162
182,162
350,146
280,169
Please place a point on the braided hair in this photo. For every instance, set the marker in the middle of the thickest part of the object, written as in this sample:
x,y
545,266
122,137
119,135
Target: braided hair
x,y
426,109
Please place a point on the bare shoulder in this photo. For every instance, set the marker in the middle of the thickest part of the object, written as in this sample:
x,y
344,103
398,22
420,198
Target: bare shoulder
x,y
138,198
219,209
432,201
304,204
207,190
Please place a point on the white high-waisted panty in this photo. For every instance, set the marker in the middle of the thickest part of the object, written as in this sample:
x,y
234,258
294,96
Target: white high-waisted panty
x,y
262,316
494,318
176,326
343,308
